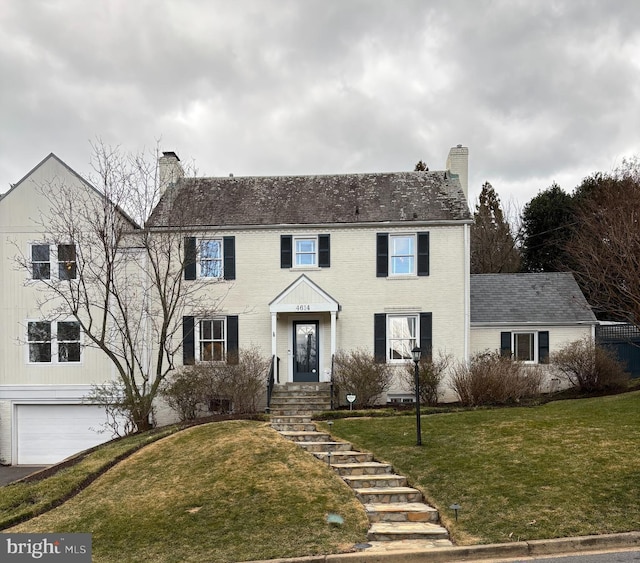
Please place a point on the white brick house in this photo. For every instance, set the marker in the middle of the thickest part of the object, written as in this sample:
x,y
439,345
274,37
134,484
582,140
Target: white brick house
x,y
310,265
305,266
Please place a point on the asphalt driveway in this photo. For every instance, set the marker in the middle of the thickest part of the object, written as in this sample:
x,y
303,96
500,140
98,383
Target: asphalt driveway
x,y
11,473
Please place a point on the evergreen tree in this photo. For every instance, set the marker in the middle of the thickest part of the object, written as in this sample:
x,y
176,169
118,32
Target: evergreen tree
x,y
493,244
547,222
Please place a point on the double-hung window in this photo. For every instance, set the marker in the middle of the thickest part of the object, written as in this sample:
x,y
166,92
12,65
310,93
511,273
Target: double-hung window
x,y
211,264
61,256
402,336
305,251
526,346
210,258
212,340
53,342
402,255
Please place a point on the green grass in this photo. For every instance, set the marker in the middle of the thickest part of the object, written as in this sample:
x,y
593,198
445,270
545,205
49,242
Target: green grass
x,y
234,491
228,491
23,500
561,469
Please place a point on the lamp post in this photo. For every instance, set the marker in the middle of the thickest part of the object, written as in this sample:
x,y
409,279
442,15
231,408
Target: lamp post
x,y
416,353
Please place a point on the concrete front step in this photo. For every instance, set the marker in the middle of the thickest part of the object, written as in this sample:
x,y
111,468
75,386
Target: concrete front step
x,y
367,468
351,456
390,531
304,436
292,396
401,512
302,387
287,409
326,446
375,481
388,494
290,412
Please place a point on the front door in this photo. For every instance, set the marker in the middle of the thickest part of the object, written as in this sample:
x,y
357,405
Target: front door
x,y
305,346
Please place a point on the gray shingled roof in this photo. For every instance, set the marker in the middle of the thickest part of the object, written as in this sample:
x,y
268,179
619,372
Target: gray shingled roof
x,y
345,198
548,298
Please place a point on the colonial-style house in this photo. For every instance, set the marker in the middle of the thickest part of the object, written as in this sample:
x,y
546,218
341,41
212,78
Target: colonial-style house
x,y
302,267
315,264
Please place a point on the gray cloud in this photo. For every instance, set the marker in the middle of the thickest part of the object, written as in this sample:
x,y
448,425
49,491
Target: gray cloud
x,y
539,91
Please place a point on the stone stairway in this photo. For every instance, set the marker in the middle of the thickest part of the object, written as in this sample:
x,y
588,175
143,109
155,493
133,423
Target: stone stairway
x,y
300,398
396,511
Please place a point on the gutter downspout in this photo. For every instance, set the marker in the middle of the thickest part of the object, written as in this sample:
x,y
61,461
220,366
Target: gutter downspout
x,y
467,292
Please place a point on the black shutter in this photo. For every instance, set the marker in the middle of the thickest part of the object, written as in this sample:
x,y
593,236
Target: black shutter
x,y
380,337
232,339
423,254
188,341
189,258
229,254
285,251
382,255
505,344
426,338
324,254
543,347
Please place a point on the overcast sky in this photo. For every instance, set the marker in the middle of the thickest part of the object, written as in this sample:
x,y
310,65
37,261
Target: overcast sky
x,y
539,90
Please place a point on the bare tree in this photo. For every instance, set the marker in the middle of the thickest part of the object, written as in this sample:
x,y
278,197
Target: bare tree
x,y
124,284
605,244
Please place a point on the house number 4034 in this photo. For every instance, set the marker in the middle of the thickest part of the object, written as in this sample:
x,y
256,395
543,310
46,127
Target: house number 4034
x,y
303,307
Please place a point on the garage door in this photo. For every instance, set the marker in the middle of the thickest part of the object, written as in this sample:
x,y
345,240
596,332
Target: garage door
x,y
50,433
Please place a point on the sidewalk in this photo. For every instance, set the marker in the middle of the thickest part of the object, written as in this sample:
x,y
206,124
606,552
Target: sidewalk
x,y
417,552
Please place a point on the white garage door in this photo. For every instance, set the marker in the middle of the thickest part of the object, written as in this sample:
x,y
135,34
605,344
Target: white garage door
x,y
50,433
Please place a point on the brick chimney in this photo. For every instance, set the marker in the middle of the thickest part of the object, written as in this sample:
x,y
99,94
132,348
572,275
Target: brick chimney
x,y
458,163
169,170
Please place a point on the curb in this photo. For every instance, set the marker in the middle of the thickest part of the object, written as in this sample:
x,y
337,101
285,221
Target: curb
x,y
532,548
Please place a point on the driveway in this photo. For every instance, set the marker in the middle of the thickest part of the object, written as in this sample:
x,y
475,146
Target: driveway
x,y
11,473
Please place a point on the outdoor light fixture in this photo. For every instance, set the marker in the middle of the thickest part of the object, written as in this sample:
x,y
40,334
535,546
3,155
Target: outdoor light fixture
x,y
416,353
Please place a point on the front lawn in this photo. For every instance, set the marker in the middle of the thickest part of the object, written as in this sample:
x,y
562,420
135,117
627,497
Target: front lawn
x,y
566,468
228,491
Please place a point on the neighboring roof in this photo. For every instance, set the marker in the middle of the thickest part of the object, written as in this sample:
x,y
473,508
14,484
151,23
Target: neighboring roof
x,y
544,298
52,156
288,200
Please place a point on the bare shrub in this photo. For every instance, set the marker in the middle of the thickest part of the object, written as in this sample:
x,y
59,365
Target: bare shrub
x,y
244,382
589,367
121,414
430,375
185,391
219,387
492,379
358,372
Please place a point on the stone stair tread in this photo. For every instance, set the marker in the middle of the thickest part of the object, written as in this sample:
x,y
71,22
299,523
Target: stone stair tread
x,y
386,490
398,507
404,528
294,433
381,477
328,444
363,465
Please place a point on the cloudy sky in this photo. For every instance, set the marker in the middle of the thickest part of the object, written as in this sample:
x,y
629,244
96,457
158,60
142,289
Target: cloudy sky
x,y
539,90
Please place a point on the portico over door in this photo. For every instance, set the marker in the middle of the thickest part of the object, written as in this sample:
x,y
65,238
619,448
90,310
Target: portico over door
x,y
302,307
305,348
